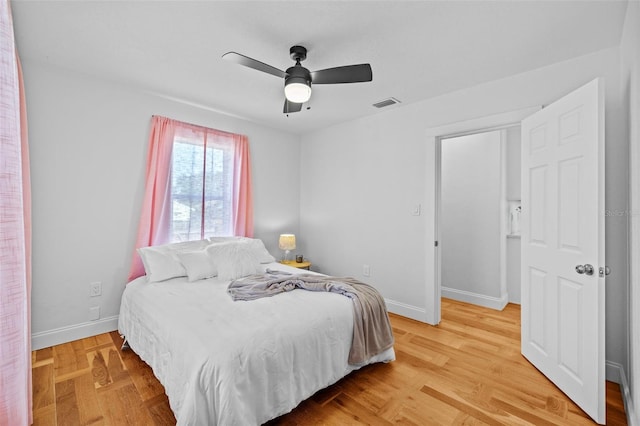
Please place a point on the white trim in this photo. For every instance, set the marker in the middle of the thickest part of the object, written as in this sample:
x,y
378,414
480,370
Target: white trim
x,y
504,215
57,336
497,303
435,315
405,310
633,242
615,373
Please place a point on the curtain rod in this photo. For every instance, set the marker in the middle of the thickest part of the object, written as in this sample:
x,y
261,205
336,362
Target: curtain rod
x,y
198,125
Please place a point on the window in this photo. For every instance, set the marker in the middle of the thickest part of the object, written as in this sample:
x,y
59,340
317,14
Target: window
x,y
198,185
201,188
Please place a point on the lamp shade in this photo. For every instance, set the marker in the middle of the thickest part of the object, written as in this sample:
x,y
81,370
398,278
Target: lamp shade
x,y
287,242
297,92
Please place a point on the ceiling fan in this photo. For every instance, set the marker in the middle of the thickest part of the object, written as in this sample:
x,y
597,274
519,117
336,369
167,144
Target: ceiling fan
x,y
298,79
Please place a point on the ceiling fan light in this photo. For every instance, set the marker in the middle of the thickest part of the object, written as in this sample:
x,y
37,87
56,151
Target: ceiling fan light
x,y
297,90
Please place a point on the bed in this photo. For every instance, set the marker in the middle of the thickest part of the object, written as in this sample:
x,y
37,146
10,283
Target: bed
x,y
235,363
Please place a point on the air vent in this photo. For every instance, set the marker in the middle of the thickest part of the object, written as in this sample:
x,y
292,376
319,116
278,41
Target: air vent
x,y
386,103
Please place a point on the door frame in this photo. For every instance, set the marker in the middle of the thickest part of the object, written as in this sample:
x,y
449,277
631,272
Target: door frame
x,y
433,285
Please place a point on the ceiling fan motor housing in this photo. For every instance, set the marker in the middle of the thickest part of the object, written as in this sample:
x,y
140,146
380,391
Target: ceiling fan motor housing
x,y
297,74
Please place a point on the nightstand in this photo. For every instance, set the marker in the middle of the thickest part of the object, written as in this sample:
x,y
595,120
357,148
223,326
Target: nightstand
x,y
302,265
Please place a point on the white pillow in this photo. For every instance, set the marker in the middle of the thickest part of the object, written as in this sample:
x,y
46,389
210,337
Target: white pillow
x,y
161,262
234,260
198,264
260,251
256,245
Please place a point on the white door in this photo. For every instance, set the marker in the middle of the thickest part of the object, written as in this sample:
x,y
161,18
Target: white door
x,y
563,309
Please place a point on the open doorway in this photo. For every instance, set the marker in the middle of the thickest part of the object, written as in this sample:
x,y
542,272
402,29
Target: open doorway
x,y
433,138
478,221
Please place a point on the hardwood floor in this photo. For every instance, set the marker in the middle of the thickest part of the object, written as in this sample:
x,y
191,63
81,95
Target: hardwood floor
x,y
468,370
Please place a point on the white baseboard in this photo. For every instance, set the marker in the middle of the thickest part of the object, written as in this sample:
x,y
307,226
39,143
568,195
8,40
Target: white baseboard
x,y
409,311
615,373
45,339
475,298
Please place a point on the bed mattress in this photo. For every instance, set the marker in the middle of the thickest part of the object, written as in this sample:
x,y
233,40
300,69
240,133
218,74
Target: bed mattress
x,y
237,363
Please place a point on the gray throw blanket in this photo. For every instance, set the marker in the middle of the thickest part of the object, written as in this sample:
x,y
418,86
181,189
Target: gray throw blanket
x,y
372,332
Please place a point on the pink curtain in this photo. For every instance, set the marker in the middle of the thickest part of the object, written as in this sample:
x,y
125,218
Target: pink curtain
x,y
15,236
156,208
243,201
154,218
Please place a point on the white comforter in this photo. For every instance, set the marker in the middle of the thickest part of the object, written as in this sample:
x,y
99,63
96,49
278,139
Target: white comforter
x,y
237,363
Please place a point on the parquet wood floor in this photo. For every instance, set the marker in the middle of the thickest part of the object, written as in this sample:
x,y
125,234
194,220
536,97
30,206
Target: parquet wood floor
x,y
466,371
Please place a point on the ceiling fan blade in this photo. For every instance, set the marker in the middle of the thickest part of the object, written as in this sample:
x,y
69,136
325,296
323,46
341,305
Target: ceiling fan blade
x,y
346,74
252,63
290,107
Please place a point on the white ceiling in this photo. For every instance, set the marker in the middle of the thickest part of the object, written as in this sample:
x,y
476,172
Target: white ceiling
x,y
417,49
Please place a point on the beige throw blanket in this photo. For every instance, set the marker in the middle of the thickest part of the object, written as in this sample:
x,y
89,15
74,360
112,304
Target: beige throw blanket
x,y
372,332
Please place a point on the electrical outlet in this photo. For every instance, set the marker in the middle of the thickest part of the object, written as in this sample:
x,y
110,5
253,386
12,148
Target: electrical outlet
x,y
366,270
95,289
94,313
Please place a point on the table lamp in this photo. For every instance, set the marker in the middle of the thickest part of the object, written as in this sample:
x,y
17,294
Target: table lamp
x,y
287,242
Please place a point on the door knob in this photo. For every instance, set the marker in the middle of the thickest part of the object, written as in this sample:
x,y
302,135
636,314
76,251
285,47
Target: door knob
x,y
585,269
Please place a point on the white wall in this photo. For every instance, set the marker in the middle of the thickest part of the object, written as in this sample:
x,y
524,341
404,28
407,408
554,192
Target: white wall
x,y
630,47
470,224
88,141
359,181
